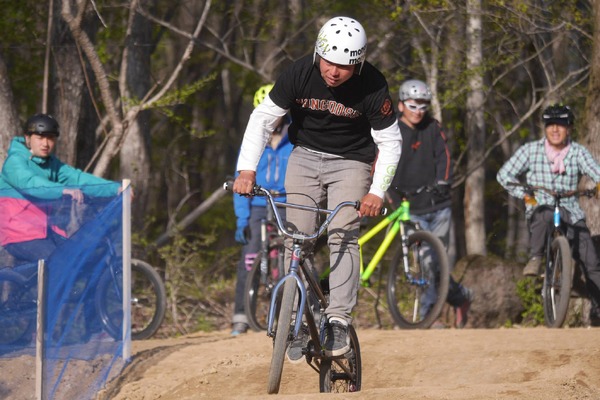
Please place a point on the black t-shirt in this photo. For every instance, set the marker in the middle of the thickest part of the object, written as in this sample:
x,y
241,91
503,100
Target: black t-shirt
x,y
334,120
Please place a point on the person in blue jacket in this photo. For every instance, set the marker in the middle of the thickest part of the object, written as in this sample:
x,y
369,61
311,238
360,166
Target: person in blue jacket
x,y
32,172
249,211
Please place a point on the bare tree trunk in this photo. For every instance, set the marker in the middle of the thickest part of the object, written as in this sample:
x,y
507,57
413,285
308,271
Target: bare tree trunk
x,y
135,153
9,120
475,125
68,93
591,124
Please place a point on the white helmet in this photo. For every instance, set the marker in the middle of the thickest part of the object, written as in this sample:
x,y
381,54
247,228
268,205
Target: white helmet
x,y
416,90
343,41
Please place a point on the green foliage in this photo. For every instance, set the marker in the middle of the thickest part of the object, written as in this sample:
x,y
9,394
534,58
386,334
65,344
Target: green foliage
x,y
181,95
198,282
177,97
529,291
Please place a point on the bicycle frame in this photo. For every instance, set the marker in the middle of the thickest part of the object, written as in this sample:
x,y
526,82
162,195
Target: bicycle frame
x,y
267,228
557,197
552,233
395,223
298,240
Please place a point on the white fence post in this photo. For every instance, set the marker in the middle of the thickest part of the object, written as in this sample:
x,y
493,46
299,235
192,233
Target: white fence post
x,y
126,269
41,327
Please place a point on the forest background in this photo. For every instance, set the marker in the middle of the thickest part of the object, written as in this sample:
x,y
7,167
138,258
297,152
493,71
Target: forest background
x,y
159,92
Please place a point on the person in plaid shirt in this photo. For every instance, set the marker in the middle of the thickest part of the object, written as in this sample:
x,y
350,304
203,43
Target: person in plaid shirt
x,y
556,162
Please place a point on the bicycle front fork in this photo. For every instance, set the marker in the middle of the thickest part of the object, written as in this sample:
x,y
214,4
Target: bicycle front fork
x,y
293,274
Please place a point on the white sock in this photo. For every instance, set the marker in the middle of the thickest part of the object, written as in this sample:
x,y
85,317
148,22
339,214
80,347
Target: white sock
x,y
338,319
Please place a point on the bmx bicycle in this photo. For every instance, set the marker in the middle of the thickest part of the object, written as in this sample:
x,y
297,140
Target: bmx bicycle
x,y
339,374
559,266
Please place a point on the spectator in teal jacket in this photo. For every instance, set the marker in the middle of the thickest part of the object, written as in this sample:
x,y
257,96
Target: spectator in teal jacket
x,y
25,231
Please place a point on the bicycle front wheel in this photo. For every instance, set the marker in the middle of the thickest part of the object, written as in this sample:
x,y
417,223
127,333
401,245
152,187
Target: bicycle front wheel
x,y
418,290
258,290
558,278
342,375
18,309
148,301
282,335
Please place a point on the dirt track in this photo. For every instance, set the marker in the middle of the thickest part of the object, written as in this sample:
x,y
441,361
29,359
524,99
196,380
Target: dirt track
x,y
532,363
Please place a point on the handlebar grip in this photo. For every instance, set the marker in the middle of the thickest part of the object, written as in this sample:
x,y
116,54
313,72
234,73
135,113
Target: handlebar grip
x,y
256,190
383,210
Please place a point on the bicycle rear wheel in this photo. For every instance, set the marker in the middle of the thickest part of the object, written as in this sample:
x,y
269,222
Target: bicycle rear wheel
x,y
148,301
342,375
282,336
558,277
416,296
18,309
257,294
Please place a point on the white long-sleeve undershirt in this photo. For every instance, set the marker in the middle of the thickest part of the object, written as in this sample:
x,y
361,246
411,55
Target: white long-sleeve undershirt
x,y
267,115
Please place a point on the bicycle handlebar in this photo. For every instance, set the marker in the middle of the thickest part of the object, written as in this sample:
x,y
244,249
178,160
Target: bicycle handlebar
x,y
257,190
554,193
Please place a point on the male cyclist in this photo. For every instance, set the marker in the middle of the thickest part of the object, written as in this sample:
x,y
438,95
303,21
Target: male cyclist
x,y
426,162
342,121
556,162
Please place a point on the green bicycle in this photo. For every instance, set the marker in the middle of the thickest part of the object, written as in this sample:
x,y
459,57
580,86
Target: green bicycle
x,y
419,274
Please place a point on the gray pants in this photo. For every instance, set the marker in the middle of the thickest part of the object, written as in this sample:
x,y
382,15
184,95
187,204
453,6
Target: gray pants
x,y
319,179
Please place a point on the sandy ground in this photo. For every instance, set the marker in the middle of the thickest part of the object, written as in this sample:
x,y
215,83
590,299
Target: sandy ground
x,y
527,363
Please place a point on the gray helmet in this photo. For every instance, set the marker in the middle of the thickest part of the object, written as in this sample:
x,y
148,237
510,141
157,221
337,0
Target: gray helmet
x,y
415,89
42,124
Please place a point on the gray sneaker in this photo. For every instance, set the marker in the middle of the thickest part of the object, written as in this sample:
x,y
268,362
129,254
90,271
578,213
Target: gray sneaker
x,y
337,341
294,352
533,267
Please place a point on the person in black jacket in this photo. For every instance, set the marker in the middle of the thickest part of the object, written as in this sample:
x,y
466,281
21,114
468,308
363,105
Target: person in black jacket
x,y
425,167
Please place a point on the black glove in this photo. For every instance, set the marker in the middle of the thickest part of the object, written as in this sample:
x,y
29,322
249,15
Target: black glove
x,y
441,191
442,187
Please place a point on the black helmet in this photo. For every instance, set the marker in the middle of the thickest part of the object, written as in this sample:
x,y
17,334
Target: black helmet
x,y
42,124
558,114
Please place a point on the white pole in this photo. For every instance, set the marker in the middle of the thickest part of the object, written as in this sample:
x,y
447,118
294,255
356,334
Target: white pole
x,y
41,327
126,269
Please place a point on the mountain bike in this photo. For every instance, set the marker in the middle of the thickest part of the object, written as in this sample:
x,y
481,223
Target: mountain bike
x,y
266,270
18,299
419,268
559,265
340,374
